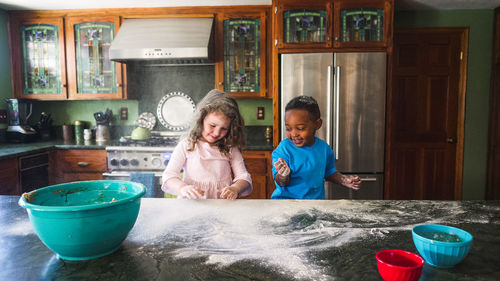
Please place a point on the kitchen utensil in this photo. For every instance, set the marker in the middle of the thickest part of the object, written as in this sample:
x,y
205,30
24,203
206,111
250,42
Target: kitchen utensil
x,y
84,220
175,110
441,253
399,265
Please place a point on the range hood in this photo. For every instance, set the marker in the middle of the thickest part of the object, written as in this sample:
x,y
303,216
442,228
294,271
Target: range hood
x,y
169,40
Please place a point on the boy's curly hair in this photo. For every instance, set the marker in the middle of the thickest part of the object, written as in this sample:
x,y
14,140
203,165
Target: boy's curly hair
x,y
218,101
305,102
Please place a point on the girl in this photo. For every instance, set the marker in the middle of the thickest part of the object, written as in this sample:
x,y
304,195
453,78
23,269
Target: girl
x,y
210,154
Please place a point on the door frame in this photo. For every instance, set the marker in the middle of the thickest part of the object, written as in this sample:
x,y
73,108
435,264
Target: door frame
x,y
462,89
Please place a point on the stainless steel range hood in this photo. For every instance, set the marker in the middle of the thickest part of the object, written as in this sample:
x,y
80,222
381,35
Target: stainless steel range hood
x,y
169,40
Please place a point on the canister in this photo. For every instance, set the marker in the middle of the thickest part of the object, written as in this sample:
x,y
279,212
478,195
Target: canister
x,y
79,131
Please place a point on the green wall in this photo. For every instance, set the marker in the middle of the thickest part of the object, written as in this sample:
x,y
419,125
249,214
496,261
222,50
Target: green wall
x,y
480,23
5,78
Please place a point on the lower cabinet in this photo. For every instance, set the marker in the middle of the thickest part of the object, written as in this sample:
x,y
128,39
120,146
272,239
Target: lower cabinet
x,y
9,177
77,165
258,164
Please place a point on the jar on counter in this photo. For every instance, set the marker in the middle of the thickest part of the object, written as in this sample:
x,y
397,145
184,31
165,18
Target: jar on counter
x,y
87,134
79,131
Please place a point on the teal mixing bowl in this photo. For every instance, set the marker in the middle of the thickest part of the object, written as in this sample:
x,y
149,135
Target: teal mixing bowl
x,y
441,245
84,220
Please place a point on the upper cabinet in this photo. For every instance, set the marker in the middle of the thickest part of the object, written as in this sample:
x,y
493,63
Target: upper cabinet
x,y
91,74
60,58
38,58
242,53
333,24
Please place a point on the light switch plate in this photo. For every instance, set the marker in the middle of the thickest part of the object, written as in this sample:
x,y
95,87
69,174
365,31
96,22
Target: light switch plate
x,y
123,113
260,113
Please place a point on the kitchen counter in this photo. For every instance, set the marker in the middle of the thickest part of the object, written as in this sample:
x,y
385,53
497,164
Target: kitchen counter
x,y
258,240
10,150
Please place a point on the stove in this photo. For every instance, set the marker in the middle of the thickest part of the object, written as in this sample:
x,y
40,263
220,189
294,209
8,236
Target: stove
x,y
133,158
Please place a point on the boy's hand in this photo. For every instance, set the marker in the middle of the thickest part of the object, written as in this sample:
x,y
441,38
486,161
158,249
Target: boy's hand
x,y
351,181
229,192
191,192
282,167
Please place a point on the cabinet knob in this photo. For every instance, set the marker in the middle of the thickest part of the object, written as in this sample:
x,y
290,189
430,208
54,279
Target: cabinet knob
x,y
451,140
221,83
82,164
118,85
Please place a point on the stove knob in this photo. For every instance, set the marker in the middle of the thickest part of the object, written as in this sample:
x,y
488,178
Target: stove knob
x,y
134,162
156,162
124,162
113,162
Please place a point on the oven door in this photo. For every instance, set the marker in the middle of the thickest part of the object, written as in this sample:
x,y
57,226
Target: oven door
x,y
154,192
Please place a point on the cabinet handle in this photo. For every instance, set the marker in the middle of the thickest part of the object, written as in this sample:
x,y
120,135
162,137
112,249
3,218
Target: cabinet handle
x,y
82,164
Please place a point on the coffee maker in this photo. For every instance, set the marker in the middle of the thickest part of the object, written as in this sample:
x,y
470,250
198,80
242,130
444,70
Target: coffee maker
x,y
18,112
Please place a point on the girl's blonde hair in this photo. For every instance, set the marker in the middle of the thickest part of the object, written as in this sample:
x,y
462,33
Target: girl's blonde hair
x,y
220,102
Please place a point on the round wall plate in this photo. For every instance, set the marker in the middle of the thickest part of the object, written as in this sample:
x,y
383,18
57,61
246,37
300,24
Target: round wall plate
x,y
175,110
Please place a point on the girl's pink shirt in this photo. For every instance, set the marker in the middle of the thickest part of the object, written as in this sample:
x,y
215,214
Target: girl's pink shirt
x,y
206,168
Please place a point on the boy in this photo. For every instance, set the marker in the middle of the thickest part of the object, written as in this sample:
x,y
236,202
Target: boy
x,y
303,161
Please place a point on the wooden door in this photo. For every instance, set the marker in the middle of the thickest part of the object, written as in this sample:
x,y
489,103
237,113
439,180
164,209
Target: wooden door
x,y
493,182
426,114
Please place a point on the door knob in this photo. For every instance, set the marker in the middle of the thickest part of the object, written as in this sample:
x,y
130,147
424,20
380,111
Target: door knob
x,y
451,140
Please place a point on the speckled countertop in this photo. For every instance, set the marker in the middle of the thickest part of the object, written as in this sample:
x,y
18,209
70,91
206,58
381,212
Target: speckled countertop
x,y
278,240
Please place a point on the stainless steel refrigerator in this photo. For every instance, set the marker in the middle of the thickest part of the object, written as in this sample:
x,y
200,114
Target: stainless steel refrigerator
x,y
351,91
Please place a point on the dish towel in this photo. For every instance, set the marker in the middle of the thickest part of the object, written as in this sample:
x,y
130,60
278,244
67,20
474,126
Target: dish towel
x,y
148,179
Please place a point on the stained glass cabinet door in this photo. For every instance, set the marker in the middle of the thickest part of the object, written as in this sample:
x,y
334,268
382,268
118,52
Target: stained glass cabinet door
x,y
92,74
38,61
243,56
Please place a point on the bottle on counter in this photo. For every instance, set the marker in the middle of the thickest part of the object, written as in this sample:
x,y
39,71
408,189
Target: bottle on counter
x,y
79,131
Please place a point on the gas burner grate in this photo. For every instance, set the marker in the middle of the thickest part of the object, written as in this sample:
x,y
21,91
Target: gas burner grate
x,y
156,141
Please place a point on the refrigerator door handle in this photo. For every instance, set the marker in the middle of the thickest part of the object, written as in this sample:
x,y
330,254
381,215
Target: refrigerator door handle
x,y
368,179
329,107
337,107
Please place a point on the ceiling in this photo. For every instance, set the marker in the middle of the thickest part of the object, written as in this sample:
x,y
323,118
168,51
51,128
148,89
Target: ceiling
x,y
97,4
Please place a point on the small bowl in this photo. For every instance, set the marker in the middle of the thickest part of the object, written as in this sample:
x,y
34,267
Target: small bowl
x,y
399,265
441,245
84,220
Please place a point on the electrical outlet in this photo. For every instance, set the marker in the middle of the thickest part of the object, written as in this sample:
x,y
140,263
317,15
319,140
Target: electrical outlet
x,y
3,116
123,113
260,113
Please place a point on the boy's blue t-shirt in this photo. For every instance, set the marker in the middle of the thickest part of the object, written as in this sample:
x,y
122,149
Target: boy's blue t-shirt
x,y
309,166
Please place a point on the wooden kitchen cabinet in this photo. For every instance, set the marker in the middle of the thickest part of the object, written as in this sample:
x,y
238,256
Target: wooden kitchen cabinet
x,y
258,164
77,165
38,58
333,24
242,53
64,57
9,177
91,73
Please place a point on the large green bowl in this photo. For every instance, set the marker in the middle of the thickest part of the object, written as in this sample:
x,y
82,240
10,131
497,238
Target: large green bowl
x,y
84,220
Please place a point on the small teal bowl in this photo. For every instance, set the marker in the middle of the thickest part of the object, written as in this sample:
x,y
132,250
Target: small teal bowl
x,y
438,253
84,220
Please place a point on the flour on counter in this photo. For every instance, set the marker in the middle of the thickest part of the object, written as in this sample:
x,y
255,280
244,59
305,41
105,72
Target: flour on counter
x,y
281,235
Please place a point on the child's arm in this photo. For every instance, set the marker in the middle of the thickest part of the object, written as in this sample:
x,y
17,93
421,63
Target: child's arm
x,y
183,189
232,191
351,181
283,172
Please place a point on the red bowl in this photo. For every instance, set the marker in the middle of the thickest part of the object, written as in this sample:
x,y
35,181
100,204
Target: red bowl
x,y
399,265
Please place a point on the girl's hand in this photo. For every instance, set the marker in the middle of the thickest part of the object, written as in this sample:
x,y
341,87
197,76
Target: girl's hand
x,y
191,192
229,192
351,181
282,167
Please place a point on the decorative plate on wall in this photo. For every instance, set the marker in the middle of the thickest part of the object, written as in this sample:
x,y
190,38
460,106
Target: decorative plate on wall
x,y
175,110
